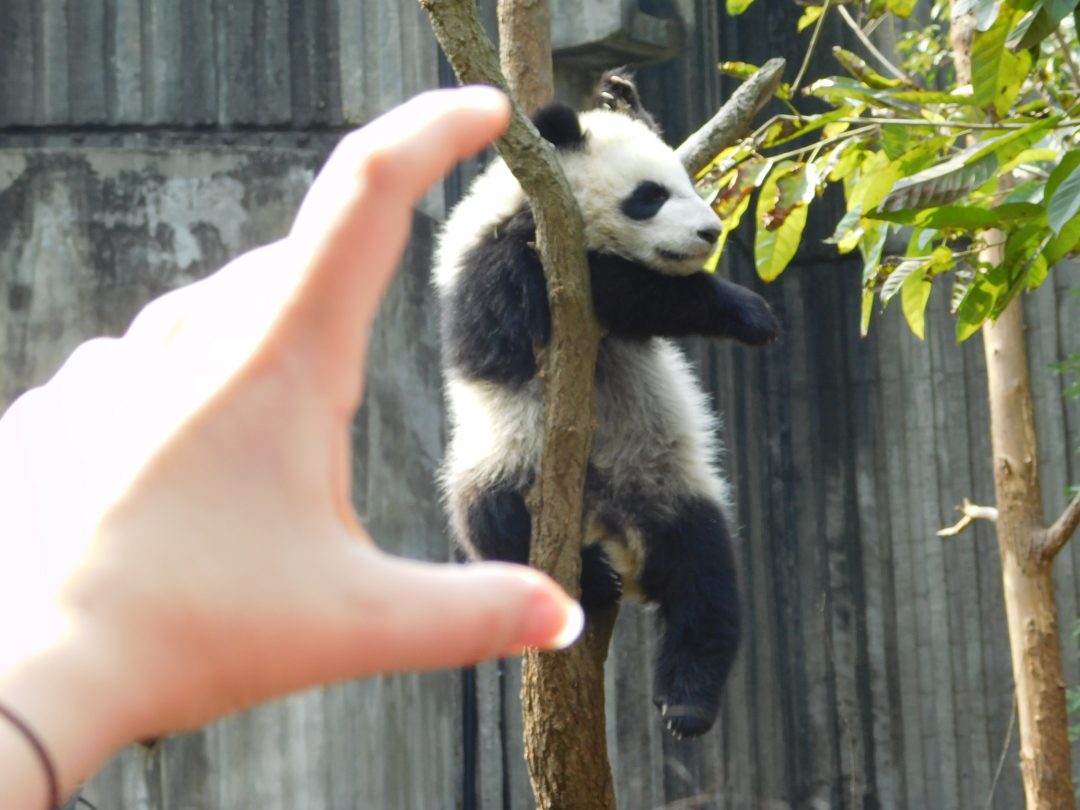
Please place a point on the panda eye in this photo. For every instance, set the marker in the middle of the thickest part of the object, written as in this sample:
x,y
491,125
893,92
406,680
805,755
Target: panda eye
x,y
645,201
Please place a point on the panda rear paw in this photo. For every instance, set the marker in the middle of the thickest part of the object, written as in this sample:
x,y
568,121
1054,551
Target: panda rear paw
x,y
686,714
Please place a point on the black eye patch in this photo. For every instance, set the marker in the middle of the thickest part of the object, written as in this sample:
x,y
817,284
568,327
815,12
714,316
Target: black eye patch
x,y
645,201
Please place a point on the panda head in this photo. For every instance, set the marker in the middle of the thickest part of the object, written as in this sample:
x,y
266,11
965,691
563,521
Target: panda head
x,y
636,198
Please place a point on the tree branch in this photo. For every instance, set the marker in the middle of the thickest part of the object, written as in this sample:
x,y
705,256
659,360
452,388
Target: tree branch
x,y
1064,528
971,512
869,45
733,120
568,763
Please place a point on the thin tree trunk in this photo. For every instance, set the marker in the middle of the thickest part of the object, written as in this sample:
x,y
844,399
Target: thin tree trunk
x,y
1045,752
1027,548
562,693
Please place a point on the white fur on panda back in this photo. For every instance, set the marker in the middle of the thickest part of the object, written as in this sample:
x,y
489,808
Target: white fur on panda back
x,y
654,434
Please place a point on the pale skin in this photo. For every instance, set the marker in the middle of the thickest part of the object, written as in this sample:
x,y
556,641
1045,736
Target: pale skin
x,y
178,540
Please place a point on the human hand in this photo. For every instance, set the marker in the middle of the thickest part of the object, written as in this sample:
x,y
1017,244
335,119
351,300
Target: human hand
x,y
178,536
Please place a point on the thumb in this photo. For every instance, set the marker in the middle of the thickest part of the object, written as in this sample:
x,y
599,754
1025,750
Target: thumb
x,y
418,615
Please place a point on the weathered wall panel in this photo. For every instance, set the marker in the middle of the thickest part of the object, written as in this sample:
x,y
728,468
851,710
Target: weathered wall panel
x,y
875,671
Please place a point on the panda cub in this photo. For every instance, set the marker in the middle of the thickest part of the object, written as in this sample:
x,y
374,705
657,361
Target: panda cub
x,y
655,504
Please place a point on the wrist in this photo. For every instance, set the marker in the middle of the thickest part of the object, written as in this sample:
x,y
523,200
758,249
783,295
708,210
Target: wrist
x,y
72,697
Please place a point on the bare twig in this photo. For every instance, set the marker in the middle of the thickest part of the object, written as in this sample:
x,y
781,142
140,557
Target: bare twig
x,y
971,512
812,47
869,45
733,120
1066,53
1004,754
1064,528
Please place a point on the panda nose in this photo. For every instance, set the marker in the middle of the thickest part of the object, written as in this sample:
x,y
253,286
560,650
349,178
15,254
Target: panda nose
x,y
710,235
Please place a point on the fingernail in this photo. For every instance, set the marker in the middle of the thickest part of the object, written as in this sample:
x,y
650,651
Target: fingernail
x,y
553,623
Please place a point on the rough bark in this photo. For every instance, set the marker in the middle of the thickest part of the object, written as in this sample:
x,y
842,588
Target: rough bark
x,y
525,50
733,120
562,693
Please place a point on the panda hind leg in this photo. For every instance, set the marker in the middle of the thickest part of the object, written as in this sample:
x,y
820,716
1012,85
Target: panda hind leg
x,y
498,527
689,572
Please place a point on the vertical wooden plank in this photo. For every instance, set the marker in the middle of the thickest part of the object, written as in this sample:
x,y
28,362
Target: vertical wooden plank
x,y
162,59
875,503
907,628
17,19
313,56
87,62
51,61
197,71
273,86
124,61
237,40
951,428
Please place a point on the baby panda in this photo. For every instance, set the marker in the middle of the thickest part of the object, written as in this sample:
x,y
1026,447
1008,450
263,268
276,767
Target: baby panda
x,y
655,505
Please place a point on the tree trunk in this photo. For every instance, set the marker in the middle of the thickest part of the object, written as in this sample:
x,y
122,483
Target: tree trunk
x,y
1027,548
562,693
1045,752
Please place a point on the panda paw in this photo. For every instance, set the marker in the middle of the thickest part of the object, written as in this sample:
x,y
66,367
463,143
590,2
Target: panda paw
x,y
752,320
686,718
688,688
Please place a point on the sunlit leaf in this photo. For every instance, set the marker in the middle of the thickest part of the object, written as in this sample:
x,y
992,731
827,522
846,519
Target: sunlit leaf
x,y
913,298
867,311
964,171
848,231
1013,70
736,7
787,129
896,278
901,8
774,250
809,17
1035,26
976,306
987,48
795,186
871,246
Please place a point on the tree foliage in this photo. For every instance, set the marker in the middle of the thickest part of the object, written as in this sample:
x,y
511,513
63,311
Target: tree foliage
x,y
943,169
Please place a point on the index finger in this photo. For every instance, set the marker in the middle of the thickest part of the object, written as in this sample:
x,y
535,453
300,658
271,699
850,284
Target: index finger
x,y
353,224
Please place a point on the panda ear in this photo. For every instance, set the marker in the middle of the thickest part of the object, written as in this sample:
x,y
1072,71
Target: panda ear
x,y
617,92
559,125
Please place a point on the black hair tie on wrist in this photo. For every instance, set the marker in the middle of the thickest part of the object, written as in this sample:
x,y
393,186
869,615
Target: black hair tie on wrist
x,y
42,754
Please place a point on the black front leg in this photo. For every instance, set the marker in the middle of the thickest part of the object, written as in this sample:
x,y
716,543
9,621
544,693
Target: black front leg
x,y
690,573
634,301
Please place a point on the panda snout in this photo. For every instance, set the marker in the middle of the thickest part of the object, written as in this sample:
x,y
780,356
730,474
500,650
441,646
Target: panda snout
x,y
710,235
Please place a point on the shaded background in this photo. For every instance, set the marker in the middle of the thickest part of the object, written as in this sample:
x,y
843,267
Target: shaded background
x,y
145,142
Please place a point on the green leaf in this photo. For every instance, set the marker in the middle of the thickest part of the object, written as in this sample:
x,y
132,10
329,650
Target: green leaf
x,y
1013,70
1059,9
1066,242
964,171
987,48
1035,26
774,250
1064,189
858,68
901,8
871,245
913,299
986,12
737,7
867,311
896,139
895,280
809,17
787,130
781,217
976,307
